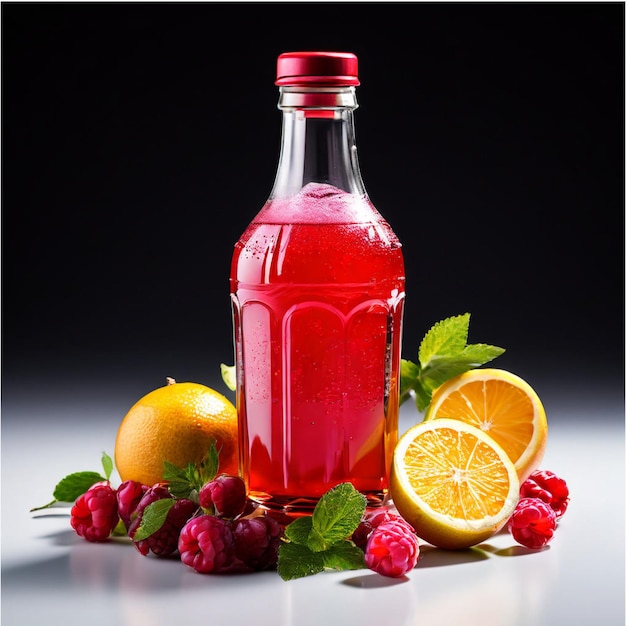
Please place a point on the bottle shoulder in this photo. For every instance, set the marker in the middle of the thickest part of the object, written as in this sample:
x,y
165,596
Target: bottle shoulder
x,y
320,235
318,254
319,203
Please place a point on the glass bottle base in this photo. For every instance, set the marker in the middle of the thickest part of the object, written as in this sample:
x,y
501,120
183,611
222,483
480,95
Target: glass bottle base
x,y
286,509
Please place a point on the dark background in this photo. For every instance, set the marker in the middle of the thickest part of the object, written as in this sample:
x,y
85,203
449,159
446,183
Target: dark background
x,y
138,141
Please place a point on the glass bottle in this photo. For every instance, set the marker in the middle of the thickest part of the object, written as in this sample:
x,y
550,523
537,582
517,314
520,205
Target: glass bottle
x,y
317,288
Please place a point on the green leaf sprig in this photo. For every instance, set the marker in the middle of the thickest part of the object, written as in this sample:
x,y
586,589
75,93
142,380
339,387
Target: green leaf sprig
x,y
76,484
321,541
153,517
182,482
443,354
186,482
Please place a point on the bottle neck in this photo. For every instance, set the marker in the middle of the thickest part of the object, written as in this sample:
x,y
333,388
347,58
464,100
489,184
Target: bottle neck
x,y
318,140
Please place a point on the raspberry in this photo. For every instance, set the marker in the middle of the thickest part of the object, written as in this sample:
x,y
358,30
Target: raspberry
x,y
392,549
164,541
129,493
372,520
224,496
206,544
94,514
256,541
533,523
548,487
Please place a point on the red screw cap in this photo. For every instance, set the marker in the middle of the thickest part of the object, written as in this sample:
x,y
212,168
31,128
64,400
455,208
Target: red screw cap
x,y
333,69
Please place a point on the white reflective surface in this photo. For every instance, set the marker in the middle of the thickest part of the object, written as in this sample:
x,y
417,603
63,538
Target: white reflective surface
x,y
50,575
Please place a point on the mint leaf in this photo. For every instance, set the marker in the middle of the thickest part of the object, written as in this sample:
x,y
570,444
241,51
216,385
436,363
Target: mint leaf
x,y
423,395
409,377
179,482
210,464
344,556
442,355
107,465
298,531
336,516
153,518
296,561
75,485
186,482
71,487
446,338
442,368
480,353
229,376
319,541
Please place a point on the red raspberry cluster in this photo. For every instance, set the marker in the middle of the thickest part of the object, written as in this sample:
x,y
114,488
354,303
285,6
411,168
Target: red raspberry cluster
x,y
544,498
218,531
389,542
94,515
164,541
221,530
229,535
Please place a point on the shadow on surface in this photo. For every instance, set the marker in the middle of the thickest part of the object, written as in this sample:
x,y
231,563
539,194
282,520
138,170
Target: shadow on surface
x,y
431,556
36,574
374,581
516,550
437,557
104,566
109,566
63,538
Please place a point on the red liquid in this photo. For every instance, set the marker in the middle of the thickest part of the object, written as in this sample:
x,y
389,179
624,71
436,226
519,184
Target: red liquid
x,y
318,313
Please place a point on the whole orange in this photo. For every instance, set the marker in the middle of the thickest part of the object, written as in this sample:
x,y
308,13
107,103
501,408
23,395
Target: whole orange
x,y
176,423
